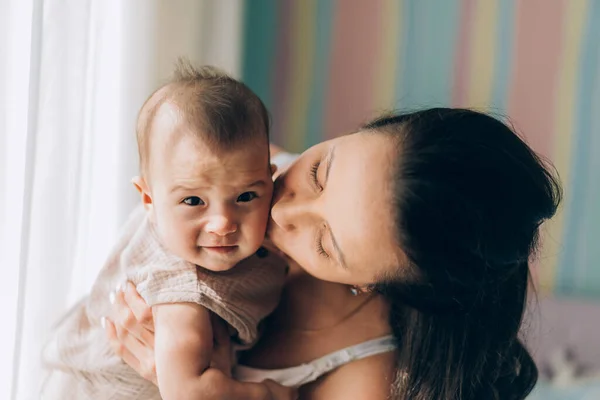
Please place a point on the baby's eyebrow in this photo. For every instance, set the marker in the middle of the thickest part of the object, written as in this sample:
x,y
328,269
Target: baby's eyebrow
x,y
179,187
258,183
183,187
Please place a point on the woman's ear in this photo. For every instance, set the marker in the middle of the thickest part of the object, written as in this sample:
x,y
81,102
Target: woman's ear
x,y
365,288
356,290
142,187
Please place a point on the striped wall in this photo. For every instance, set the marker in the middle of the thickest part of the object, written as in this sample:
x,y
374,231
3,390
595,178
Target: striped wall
x,y
325,66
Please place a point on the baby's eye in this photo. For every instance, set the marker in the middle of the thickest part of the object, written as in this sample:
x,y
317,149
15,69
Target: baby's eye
x,y
246,197
193,201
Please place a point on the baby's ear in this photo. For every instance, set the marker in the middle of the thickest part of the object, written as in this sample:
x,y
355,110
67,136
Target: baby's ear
x,y
273,169
142,187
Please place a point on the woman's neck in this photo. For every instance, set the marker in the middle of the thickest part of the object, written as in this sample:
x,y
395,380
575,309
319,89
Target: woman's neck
x,y
310,304
315,318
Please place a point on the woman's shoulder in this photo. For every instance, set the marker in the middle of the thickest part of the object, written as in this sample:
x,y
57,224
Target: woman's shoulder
x,y
368,378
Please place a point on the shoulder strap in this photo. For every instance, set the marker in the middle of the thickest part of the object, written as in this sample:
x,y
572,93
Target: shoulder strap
x,y
359,351
309,372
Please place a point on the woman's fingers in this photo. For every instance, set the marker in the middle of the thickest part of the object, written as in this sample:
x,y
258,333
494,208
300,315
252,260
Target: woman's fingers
x,y
141,310
126,322
132,351
118,347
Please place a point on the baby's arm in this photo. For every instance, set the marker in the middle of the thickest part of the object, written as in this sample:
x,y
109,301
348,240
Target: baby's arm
x,y
183,350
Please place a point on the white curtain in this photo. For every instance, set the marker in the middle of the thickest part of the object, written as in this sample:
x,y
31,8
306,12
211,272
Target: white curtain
x,y
73,74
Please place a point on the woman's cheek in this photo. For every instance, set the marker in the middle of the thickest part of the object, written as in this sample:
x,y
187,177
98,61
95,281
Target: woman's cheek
x,y
284,243
292,172
300,251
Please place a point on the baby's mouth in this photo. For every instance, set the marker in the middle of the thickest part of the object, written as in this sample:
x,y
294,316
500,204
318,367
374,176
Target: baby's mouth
x,y
221,249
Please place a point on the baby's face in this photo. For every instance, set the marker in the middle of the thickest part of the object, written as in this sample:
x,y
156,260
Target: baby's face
x,y
209,209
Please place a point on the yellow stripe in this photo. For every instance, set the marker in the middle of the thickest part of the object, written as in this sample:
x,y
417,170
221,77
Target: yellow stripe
x,y
565,112
301,69
482,59
391,39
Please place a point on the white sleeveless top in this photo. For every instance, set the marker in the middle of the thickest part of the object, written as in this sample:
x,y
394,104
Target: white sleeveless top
x,y
309,372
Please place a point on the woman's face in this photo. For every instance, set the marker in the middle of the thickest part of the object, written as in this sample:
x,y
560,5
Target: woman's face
x,y
332,210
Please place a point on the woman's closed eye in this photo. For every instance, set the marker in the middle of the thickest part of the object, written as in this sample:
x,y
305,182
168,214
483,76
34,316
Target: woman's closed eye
x,y
246,197
319,243
314,169
320,248
193,201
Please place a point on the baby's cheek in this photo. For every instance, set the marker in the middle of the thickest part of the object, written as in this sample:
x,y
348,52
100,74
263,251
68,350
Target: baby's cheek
x,y
264,218
256,230
177,236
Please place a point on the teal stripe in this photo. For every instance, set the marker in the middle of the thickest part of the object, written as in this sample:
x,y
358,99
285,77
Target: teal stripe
x,y
577,272
402,54
504,51
589,276
320,73
258,55
428,56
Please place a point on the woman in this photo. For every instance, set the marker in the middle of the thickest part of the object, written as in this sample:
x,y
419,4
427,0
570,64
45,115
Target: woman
x,y
418,226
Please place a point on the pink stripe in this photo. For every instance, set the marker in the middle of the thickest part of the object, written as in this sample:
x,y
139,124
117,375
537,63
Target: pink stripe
x,y
280,80
356,49
536,62
462,64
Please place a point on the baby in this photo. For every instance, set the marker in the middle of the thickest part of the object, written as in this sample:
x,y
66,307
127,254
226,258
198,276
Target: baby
x,y
192,248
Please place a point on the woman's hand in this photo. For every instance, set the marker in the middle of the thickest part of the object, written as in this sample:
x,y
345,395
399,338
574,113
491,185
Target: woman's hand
x,y
131,334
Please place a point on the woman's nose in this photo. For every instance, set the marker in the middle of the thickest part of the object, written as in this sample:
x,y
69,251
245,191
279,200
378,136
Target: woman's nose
x,y
290,211
220,225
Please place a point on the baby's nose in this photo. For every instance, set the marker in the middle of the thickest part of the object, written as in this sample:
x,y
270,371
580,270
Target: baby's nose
x,y
221,225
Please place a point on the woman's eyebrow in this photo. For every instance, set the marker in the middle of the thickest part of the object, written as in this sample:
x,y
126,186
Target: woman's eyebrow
x,y
336,247
258,183
329,160
338,251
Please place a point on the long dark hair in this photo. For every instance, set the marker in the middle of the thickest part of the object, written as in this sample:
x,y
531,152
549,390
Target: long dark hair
x,y
470,196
